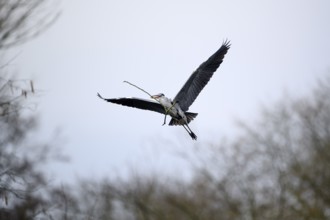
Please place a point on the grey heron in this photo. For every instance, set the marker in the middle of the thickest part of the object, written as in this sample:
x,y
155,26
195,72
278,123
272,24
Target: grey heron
x,y
178,108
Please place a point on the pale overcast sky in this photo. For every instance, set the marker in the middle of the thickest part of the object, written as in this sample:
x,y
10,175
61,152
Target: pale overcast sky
x,y
96,45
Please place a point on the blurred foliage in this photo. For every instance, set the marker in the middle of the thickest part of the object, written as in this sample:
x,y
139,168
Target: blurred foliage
x,y
22,20
278,168
20,158
25,192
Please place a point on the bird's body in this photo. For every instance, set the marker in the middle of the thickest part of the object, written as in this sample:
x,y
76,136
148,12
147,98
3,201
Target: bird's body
x,y
178,108
173,109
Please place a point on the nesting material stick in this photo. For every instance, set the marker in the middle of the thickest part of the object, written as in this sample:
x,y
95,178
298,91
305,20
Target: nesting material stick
x,y
166,109
138,88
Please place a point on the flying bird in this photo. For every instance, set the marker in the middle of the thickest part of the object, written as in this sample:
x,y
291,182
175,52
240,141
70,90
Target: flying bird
x,y
179,106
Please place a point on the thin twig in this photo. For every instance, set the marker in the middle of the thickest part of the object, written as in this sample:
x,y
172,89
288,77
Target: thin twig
x,y
138,88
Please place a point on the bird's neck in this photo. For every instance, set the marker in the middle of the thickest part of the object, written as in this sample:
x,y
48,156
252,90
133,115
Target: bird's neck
x,y
165,101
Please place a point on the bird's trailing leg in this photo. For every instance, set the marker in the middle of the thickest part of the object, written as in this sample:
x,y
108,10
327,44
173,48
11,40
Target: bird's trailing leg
x,y
166,112
164,120
192,134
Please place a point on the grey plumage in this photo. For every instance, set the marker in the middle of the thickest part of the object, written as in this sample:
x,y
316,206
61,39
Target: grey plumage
x,y
137,103
146,105
200,77
178,108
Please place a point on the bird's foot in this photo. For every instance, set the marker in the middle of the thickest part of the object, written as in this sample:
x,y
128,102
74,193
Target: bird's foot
x,y
193,135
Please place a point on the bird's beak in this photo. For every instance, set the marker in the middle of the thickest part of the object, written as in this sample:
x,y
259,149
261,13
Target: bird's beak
x,y
155,96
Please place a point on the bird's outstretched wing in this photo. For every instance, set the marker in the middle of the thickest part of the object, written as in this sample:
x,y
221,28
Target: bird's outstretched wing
x,y
200,78
137,103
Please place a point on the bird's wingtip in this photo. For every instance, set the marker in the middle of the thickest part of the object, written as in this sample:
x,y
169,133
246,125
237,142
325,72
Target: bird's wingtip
x,y
98,94
226,43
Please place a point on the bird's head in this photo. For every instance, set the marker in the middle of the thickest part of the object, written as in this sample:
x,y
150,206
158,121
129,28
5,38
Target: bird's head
x,y
157,96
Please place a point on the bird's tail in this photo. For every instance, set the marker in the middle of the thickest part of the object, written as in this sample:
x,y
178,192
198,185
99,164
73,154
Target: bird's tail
x,y
190,116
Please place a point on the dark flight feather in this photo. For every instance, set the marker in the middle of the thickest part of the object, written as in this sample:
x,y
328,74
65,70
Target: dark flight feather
x,y
200,77
137,103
